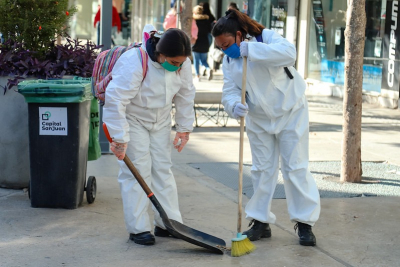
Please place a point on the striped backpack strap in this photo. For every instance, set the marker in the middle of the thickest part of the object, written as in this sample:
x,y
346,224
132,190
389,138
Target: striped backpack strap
x,y
144,59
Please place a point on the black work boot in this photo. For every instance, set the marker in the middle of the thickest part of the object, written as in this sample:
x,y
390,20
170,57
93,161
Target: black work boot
x,y
307,238
158,231
145,238
259,230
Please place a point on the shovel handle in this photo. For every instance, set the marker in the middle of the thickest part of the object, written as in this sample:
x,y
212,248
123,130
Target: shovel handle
x,y
131,167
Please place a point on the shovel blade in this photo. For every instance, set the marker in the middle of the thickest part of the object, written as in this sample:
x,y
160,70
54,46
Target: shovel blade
x,y
196,237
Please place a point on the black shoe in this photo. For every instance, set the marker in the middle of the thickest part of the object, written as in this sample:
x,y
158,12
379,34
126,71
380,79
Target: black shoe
x,y
307,238
145,238
158,231
259,230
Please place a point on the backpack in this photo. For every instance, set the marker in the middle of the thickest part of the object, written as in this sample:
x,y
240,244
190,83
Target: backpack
x,y
104,64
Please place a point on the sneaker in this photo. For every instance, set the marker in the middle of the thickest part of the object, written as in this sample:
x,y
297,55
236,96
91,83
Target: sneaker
x,y
158,231
307,238
196,79
210,75
205,72
145,238
259,230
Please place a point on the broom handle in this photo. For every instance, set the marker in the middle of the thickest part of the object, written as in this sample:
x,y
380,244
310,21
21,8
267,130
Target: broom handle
x,y
240,189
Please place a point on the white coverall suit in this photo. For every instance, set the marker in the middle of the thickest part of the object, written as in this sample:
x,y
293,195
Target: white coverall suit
x,y
140,113
276,125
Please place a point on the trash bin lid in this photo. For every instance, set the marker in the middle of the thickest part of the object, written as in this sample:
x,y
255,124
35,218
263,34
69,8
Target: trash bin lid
x,y
55,91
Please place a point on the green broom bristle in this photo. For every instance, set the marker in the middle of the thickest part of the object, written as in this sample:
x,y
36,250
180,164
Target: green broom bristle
x,y
241,246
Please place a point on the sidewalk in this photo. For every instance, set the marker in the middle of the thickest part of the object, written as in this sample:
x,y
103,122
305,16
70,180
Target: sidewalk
x,y
358,231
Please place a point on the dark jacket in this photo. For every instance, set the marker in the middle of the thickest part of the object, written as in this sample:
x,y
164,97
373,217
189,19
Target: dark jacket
x,y
203,24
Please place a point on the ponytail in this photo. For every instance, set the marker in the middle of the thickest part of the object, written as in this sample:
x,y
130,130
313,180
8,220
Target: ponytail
x,y
234,21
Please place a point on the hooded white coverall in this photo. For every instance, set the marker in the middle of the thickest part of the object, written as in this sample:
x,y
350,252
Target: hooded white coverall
x,y
276,125
140,113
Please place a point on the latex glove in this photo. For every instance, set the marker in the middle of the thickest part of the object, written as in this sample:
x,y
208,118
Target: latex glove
x,y
119,149
180,140
244,49
240,110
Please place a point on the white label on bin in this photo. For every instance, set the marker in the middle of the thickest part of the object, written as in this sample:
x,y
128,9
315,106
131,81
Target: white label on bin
x,y
53,121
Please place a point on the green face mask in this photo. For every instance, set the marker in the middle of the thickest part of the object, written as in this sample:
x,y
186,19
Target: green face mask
x,y
169,67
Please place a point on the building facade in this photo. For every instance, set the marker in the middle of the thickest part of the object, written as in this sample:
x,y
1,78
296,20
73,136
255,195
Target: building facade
x,y
316,27
322,27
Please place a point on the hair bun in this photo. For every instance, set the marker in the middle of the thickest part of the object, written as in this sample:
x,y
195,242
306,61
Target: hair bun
x,y
231,13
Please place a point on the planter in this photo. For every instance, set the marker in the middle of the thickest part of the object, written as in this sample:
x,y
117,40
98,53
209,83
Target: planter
x,y
14,139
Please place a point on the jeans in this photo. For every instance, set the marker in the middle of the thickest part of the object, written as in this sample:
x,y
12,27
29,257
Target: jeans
x,y
200,58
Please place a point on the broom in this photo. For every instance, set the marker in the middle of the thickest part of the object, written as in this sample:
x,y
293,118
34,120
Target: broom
x,y
241,245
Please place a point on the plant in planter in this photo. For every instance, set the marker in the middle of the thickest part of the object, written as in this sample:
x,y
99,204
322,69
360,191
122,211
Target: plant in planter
x,y
30,29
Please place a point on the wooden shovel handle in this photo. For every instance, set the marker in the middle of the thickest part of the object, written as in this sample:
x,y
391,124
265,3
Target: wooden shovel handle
x,y
131,167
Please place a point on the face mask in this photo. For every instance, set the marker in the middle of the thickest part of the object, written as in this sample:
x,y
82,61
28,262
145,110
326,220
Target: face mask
x,y
169,67
233,51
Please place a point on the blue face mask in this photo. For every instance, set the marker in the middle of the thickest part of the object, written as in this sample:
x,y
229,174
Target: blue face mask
x,y
169,67
232,51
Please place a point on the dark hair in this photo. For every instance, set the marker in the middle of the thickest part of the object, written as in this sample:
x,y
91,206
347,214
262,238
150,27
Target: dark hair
x,y
236,21
206,8
233,5
173,43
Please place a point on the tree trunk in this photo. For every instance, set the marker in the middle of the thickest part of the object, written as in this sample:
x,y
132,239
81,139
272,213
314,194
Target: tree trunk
x,y
186,17
352,99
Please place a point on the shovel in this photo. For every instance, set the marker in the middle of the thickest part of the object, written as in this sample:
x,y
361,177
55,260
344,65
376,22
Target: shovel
x,y
175,228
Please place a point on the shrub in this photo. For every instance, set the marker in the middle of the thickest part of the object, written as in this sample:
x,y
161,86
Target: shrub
x,y
70,58
30,28
34,23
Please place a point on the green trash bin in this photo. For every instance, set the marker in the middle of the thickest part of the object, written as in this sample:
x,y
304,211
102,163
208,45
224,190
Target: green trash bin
x,y
59,116
94,151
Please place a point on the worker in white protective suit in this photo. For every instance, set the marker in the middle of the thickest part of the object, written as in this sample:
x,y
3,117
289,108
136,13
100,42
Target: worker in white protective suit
x,y
137,113
276,113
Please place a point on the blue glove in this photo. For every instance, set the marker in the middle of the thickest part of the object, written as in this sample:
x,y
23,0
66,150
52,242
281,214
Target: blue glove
x,y
240,110
244,49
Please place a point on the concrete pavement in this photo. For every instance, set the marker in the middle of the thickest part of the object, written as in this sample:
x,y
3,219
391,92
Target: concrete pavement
x,y
351,231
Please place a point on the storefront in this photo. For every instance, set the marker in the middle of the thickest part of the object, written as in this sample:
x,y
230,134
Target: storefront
x,y
148,12
326,48
278,15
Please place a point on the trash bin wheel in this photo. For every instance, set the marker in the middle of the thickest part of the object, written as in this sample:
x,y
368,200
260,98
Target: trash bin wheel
x,y
91,189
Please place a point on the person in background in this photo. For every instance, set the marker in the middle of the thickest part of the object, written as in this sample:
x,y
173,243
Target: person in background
x,y
233,5
137,113
212,20
277,124
201,46
170,22
211,17
119,5
116,22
